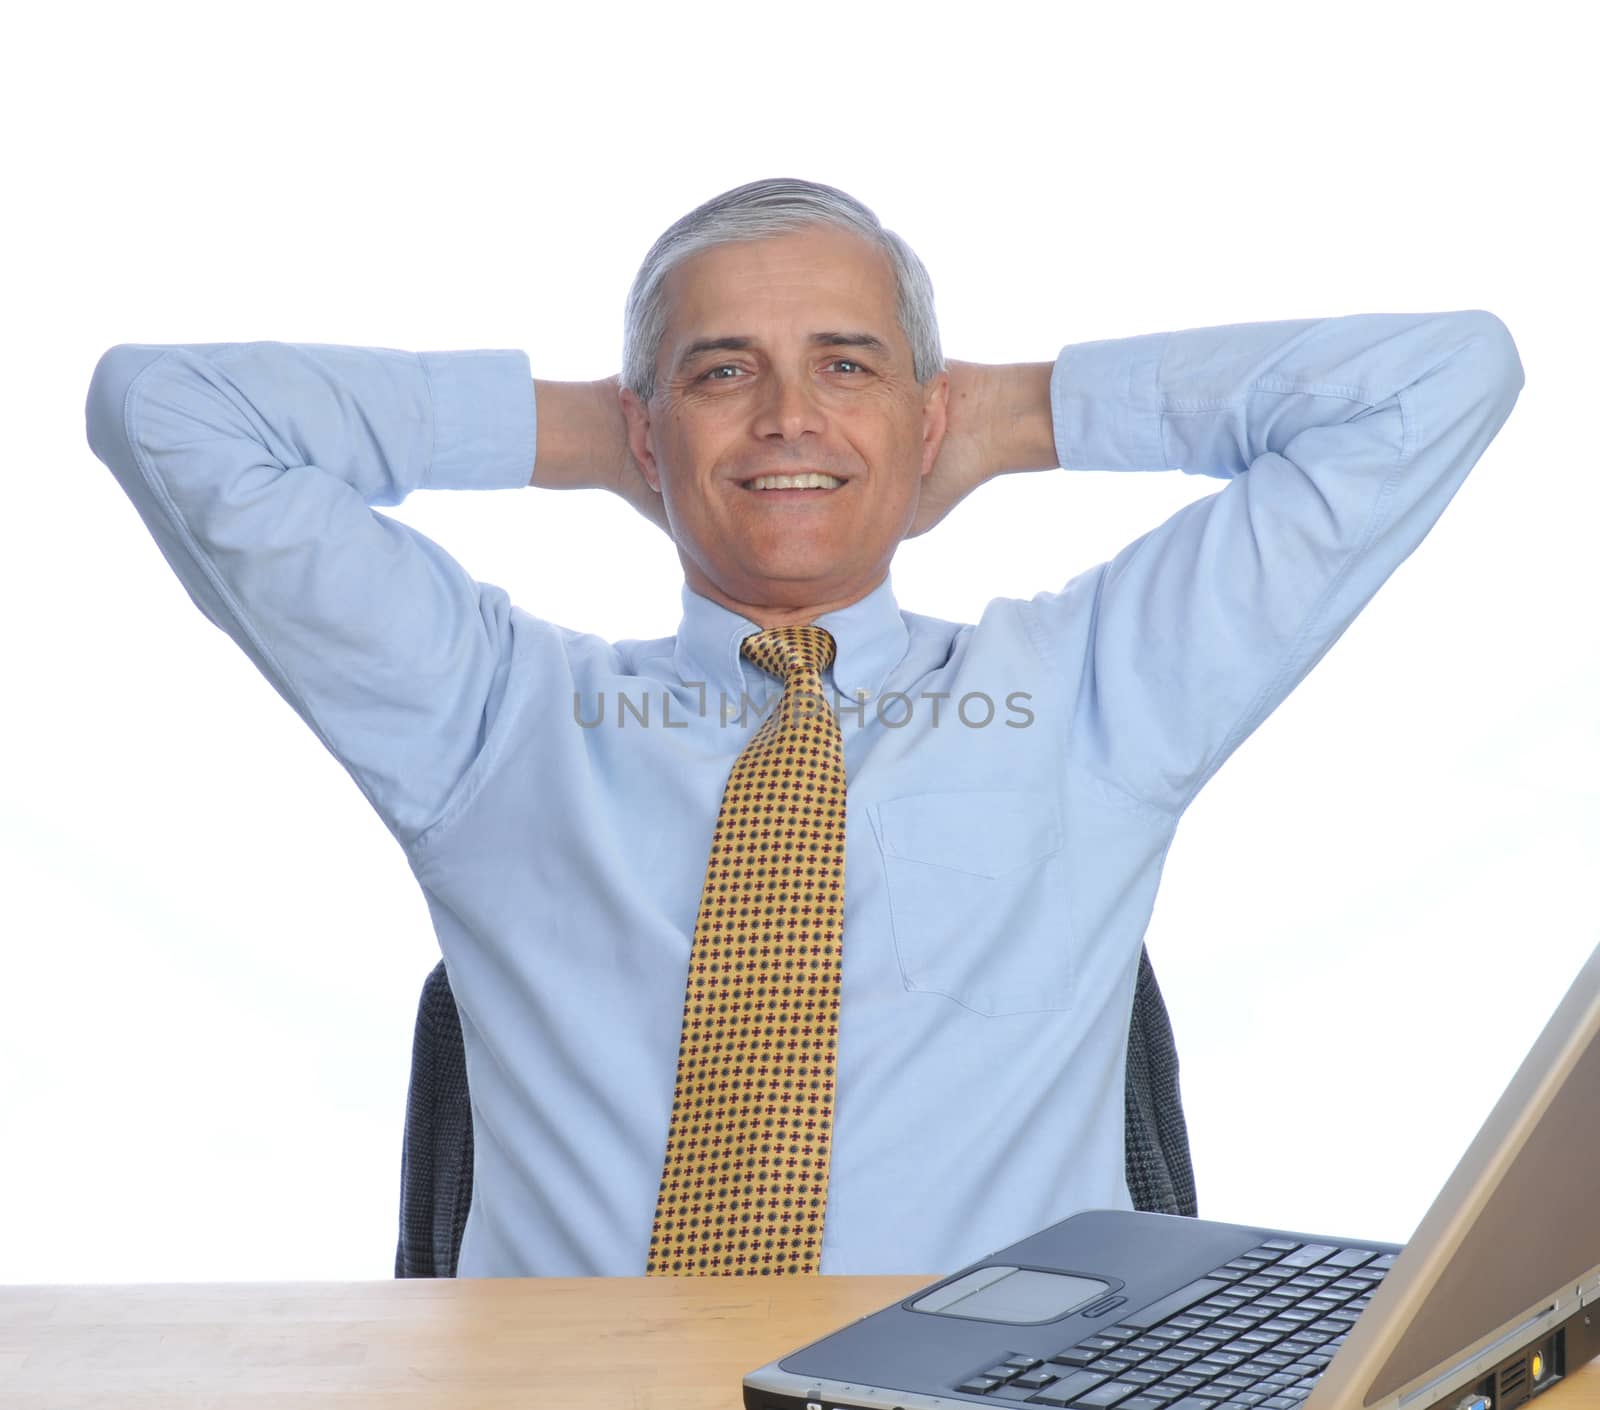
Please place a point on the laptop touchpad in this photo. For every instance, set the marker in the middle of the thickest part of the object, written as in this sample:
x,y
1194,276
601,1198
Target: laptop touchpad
x,y
1008,1294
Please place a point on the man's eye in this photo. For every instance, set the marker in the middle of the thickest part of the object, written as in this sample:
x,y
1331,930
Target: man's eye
x,y
710,375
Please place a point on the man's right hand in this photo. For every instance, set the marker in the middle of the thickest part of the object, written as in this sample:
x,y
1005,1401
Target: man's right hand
x,y
583,444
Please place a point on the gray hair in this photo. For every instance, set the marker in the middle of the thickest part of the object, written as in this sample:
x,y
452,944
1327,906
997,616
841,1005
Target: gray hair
x,y
754,211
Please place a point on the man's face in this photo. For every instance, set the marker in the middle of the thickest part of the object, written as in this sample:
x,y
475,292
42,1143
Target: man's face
x,y
800,393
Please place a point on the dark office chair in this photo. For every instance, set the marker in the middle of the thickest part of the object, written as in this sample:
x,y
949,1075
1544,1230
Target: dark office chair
x,y
436,1158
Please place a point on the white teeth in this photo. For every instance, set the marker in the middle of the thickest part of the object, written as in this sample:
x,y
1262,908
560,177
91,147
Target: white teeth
x,y
796,482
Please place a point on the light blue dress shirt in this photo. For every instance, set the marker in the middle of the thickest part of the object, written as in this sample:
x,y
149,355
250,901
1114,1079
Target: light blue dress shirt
x,y
1013,785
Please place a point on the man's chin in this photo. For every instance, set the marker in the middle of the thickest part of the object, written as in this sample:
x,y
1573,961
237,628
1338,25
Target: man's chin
x,y
795,566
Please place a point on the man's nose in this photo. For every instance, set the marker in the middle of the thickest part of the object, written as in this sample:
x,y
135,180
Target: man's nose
x,y
789,407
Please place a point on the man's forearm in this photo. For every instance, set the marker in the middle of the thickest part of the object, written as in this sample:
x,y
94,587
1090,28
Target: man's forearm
x,y
582,435
1021,426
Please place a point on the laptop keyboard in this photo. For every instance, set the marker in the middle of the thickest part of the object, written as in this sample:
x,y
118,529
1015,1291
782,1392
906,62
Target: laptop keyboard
x,y
1253,1334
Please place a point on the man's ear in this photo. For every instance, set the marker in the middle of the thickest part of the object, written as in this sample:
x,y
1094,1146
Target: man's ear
x,y
637,415
935,420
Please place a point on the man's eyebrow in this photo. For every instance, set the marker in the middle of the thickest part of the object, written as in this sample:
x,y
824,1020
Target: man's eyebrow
x,y
831,338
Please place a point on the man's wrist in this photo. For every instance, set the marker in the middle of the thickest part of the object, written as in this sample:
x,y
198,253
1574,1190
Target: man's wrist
x,y
1021,422
582,436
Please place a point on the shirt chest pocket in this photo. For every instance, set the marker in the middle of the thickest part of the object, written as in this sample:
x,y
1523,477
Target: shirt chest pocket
x,y
977,897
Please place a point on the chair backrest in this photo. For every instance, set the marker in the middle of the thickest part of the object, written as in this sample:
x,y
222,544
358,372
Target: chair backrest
x,y
436,1157
1160,1174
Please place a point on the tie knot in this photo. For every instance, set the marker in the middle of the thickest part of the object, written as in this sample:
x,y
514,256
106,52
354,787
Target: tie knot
x,y
783,650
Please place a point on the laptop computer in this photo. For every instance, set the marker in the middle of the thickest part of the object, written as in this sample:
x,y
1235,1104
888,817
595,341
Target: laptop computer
x,y
1495,1297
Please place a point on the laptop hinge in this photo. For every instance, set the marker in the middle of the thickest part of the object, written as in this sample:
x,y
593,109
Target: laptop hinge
x,y
1482,1356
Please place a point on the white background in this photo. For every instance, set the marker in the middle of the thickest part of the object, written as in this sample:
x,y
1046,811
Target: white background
x,y
213,949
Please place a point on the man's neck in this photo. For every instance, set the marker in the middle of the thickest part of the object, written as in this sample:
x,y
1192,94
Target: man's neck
x,y
777,614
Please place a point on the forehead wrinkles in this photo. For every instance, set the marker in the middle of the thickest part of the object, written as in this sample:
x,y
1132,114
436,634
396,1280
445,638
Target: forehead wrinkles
x,y
719,291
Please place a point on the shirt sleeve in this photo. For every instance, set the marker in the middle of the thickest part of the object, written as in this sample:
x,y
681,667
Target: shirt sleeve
x,y
1342,440
256,468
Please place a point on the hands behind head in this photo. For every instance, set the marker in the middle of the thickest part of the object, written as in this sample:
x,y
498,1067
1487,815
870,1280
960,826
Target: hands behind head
x,y
963,462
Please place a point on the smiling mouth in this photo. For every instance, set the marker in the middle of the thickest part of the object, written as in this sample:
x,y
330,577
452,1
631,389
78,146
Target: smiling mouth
x,y
809,481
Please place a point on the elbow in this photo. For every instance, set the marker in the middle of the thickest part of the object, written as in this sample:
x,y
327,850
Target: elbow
x,y
1495,348
105,408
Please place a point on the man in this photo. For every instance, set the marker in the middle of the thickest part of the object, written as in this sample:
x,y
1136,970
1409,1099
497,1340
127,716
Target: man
x,y
1005,792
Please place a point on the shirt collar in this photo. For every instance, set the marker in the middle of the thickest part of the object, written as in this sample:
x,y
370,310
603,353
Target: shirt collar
x,y
870,639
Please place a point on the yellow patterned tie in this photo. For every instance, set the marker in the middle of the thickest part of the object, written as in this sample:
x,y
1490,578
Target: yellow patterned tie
x,y
745,1183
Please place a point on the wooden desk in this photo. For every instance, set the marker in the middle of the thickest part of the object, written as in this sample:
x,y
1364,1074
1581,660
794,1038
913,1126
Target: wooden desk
x,y
426,1344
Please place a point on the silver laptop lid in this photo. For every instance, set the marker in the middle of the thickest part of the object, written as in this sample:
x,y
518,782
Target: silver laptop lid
x,y
1510,1246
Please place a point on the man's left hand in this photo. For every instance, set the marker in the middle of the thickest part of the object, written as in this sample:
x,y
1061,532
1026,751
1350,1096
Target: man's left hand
x,y
998,420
